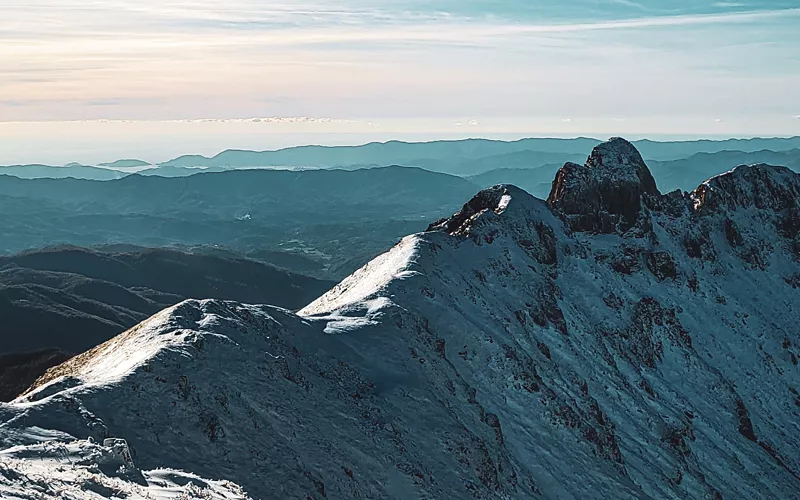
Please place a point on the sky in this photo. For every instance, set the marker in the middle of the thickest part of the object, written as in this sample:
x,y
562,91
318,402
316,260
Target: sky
x,y
91,80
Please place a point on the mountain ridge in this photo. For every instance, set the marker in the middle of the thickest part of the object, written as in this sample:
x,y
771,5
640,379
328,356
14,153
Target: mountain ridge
x,y
382,153
58,302
636,345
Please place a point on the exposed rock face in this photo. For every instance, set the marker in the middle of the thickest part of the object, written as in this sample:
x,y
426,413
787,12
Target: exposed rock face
x,y
608,193
757,186
509,352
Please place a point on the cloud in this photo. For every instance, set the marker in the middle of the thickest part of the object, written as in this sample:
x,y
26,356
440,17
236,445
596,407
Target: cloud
x,y
286,119
474,123
629,3
659,21
155,60
266,120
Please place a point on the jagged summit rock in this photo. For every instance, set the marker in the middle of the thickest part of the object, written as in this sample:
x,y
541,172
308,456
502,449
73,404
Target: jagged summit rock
x,y
607,194
761,186
618,159
495,199
509,352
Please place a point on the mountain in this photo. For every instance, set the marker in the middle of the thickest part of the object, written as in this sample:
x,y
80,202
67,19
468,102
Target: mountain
x,y
681,174
339,218
18,370
687,172
382,153
457,157
74,171
75,298
673,150
536,181
610,342
351,193
130,286
528,160
127,163
169,171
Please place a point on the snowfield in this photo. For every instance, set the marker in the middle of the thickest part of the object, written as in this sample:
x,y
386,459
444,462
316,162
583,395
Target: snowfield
x,y
610,342
83,469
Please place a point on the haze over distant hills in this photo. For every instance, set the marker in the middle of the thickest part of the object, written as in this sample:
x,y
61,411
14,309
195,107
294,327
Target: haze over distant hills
x,y
327,221
126,163
416,154
678,174
338,218
684,174
467,158
74,171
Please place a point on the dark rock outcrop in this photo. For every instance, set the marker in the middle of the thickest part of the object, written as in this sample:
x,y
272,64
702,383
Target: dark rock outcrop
x,y
760,186
608,193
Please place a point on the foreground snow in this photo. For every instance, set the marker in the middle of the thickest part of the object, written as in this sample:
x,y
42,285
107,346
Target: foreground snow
x,y
84,469
609,343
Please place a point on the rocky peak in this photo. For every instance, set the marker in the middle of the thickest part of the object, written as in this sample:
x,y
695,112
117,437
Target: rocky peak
x,y
619,159
494,199
760,186
607,194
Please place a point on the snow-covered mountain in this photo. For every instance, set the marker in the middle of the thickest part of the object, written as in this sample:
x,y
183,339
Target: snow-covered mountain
x,y
610,342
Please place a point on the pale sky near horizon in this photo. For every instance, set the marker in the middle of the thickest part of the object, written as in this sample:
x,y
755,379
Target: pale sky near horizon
x,y
378,70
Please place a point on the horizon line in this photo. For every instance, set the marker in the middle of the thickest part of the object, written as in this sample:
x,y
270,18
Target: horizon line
x,y
105,164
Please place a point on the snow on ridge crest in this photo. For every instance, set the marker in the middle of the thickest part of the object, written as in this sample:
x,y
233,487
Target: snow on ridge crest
x,y
369,281
762,186
500,202
173,328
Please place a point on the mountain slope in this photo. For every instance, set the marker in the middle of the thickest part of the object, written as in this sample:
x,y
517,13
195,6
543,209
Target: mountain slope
x,y
611,342
57,297
75,298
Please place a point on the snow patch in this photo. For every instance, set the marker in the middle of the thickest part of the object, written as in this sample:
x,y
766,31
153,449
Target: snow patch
x,y
370,280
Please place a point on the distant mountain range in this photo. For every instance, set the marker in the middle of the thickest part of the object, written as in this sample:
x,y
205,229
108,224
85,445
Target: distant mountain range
x,y
691,171
683,174
325,221
74,171
466,158
609,342
128,163
426,154
338,218
536,181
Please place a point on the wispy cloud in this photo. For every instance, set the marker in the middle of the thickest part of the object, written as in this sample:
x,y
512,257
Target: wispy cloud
x,y
156,59
629,3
